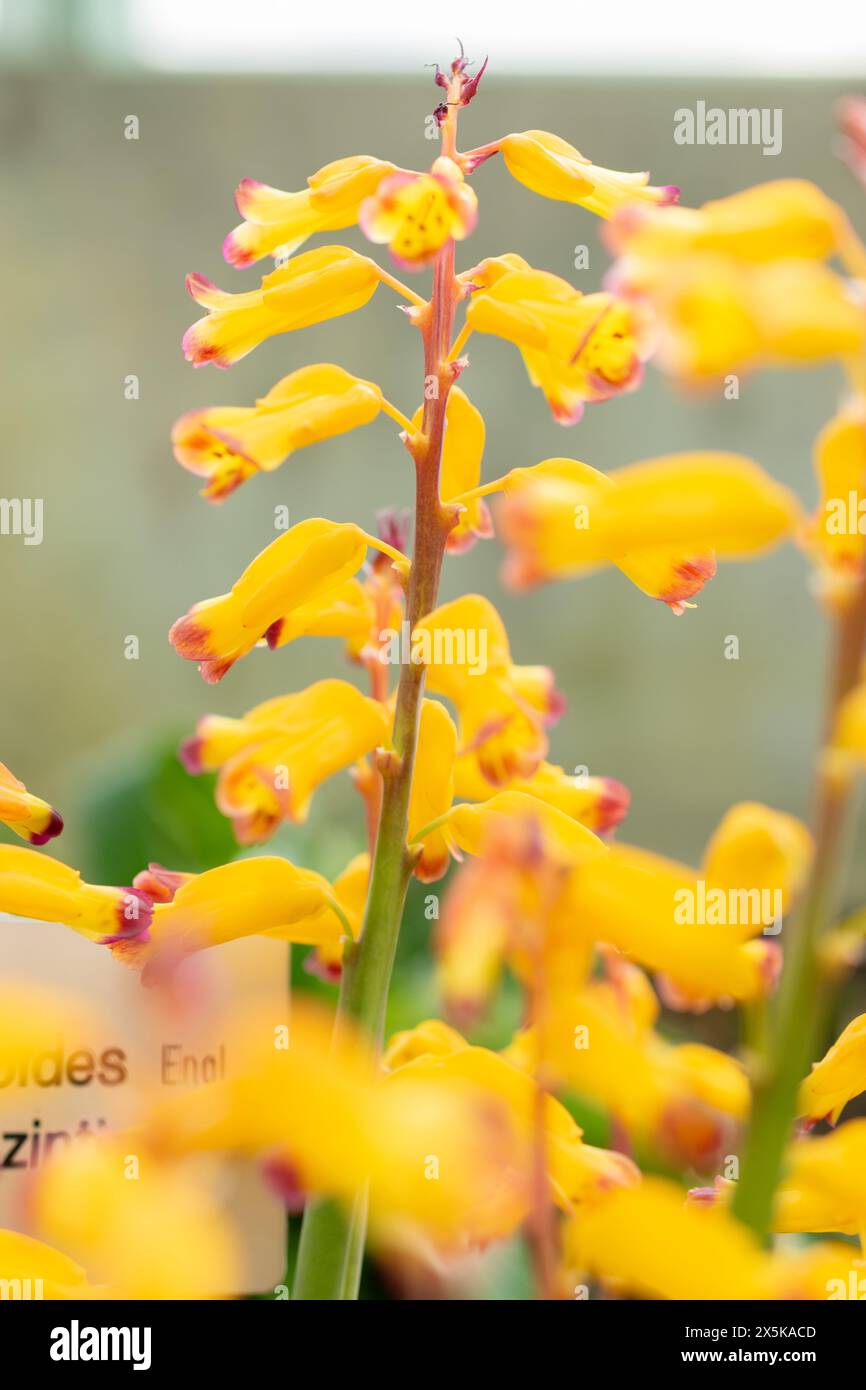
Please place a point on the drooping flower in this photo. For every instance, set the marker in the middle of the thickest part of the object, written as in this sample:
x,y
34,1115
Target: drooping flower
x,y
432,788
779,220
32,885
701,929
661,521
302,569
415,214
503,709
272,759
248,897
833,535
460,468
28,815
466,827
599,803
577,348
838,1077
715,315
318,285
278,223
548,165
229,444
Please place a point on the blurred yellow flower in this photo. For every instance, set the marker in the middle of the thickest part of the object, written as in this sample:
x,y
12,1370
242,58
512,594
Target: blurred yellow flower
x,y
142,1224
576,1171
695,927
838,1077
661,521
30,1270
835,535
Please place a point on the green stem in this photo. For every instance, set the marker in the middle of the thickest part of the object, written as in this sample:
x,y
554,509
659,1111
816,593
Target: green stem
x,y
325,1268
804,994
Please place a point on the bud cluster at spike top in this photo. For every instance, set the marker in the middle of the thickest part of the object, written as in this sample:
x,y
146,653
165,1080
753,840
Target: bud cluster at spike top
x,y
439,734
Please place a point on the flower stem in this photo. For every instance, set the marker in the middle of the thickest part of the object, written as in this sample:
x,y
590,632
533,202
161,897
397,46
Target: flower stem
x,y
804,993
331,1248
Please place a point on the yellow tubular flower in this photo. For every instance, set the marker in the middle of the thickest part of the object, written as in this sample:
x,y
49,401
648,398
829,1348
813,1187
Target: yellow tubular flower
x,y
716,316
503,709
661,521
432,787
599,803
650,1241
576,1171
272,760
159,1235
415,214
319,285
694,927
277,222
30,817
577,348
229,444
838,1077
847,749
305,567
32,885
334,1124
786,218
823,1185
599,1040
550,166
31,1265
561,838
460,471
833,536
243,898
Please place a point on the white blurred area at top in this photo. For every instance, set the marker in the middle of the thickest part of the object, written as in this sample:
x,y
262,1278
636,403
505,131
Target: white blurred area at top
x,y
638,37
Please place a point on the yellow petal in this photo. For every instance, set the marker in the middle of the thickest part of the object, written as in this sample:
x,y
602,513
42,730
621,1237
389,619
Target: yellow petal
x,y
312,288
28,815
838,1077
228,444
306,566
550,166
432,787
563,838
32,885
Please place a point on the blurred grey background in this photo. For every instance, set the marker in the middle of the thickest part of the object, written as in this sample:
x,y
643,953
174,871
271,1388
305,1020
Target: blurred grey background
x,y
97,236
